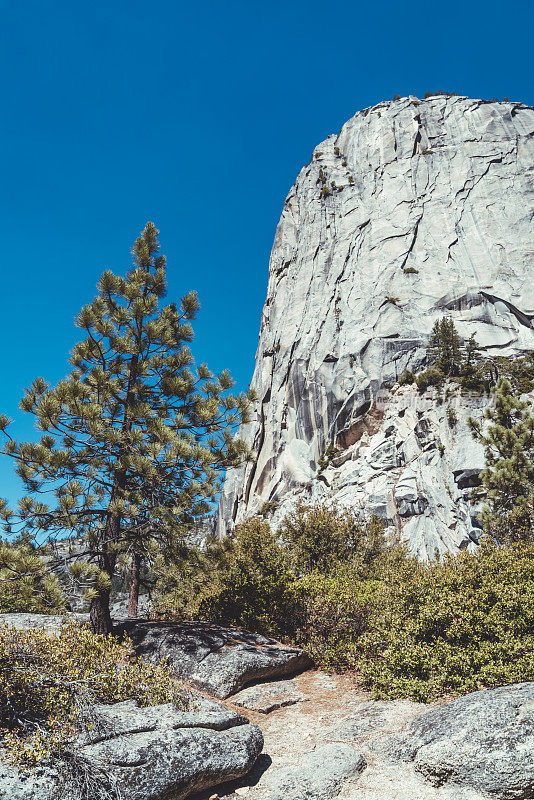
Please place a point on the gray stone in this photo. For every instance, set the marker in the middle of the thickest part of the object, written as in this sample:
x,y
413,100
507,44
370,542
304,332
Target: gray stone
x,y
484,740
212,658
442,185
319,775
267,697
371,719
154,753
51,623
156,765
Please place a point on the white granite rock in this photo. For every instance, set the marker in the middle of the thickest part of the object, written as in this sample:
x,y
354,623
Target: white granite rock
x,y
443,186
267,697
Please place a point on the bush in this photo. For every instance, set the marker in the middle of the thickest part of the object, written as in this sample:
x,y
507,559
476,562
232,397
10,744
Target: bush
x,y
452,416
430,377
48,681
259,581
319,537
252,585
407,377
335,611
330,453
452,627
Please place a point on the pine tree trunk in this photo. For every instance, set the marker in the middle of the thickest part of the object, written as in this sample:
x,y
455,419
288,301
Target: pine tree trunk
x,y
99,613
135,581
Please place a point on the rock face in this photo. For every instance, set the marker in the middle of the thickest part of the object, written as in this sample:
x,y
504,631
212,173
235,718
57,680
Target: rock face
x,y
319,775
51,623
212,658
153,753
415,210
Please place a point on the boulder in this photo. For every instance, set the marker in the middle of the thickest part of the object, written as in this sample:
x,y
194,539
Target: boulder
x,y
153,753
375,718
50,622
484,740
213,658
267,697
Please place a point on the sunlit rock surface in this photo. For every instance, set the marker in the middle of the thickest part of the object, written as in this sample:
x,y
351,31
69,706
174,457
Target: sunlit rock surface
x,y
443,186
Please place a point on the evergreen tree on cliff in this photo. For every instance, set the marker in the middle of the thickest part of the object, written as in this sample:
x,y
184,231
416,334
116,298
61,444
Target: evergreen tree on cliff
x,y
133,438
508,477
444,347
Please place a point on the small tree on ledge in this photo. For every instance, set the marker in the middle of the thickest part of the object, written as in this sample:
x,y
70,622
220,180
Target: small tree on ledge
x,y
133,438
508,477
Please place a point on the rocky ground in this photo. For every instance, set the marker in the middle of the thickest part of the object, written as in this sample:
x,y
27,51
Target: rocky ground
x,y
305,736
332,741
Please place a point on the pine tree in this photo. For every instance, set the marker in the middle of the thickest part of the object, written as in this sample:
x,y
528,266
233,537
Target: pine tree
x,y
509,473
25,581
134,438
444,347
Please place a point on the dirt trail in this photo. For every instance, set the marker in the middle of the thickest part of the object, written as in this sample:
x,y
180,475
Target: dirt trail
x,y
312,747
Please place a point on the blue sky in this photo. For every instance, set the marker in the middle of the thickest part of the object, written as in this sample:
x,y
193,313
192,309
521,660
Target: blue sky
x,y
198,117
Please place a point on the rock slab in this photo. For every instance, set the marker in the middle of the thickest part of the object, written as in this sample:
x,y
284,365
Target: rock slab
x,y
318,775
484,740
267,697
154,753
214,659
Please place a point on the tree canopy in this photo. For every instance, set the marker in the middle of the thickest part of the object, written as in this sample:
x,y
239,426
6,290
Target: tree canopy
x,y
134,438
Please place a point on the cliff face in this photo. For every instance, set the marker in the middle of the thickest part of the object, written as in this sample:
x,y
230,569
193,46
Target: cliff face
x,y
443,186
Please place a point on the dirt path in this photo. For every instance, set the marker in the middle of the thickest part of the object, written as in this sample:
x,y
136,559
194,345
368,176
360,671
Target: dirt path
x,y
323,747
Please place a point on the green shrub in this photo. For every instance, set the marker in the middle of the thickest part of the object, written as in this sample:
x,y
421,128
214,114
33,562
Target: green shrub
x,y
452,627
48,681
318,537
268,507
430,377
411,271
407,377
335,611
252,583
331,451
452,416
259,581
